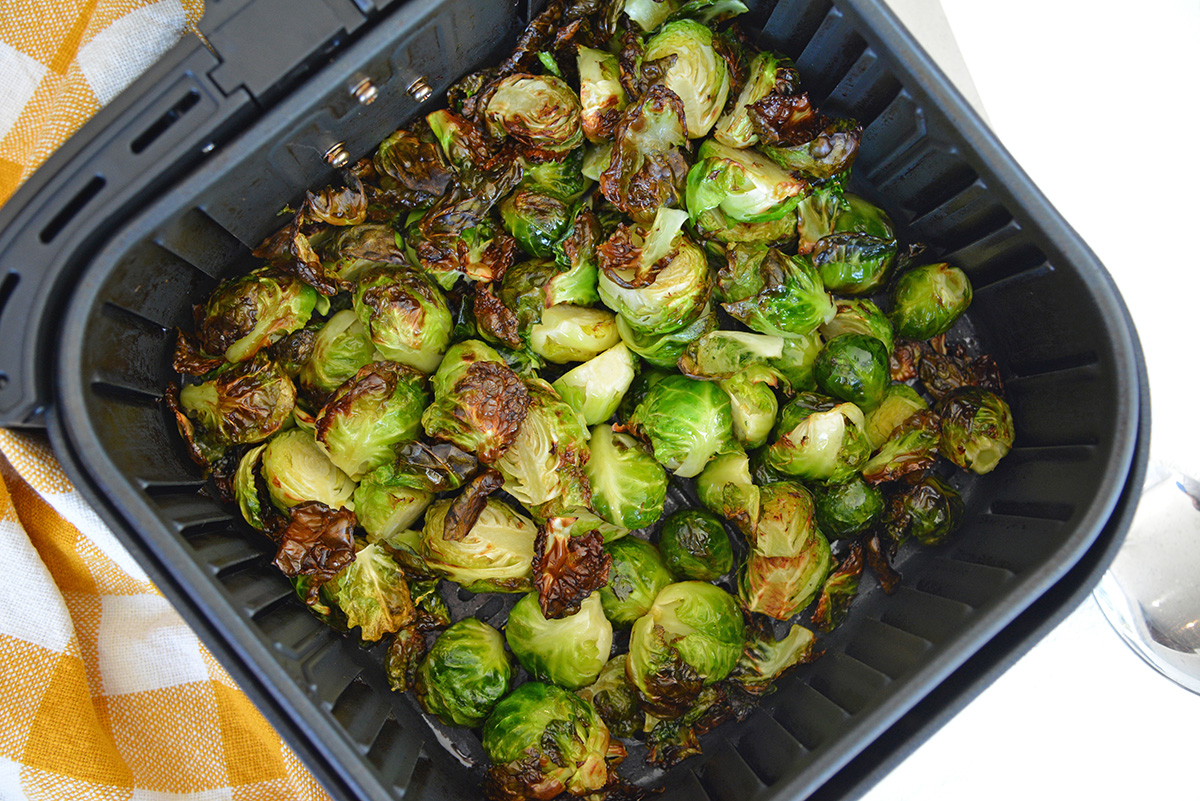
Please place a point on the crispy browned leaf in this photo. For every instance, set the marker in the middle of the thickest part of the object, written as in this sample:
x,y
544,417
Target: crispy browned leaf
x,y
840,588
466,507
879,556
906,355
190,359
290,250
647,170
493,317
785,119
415,168
317,541
346,205
944,368
567,569
537,34
435,468
497,401
404,655
187,431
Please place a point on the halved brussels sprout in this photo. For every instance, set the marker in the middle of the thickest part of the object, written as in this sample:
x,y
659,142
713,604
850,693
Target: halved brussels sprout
x,y
859,316
537,218
569,651
613,698
899,402
369,415
912,448
373,594
687,422
753,404
830,152
768,73
853,367
411,170
242,405
297,470
245,314
796,362
847,509
819,440
384,508
539,111
724,354
562,177
927,301
646,167
929,511
697,73
245,488
479,251
818,213
854,264
789,555
600,93
664,350
745,186
694,545
596,387
638,573
977,428
569,333
543,741
359,248
405,315
629,487
496,555
773,293
465,673
726,488
340,348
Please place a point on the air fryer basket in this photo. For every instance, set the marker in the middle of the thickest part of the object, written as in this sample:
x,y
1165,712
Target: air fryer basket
x,y
1043,307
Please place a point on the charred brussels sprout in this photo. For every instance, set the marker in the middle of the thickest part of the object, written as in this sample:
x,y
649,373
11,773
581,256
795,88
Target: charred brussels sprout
x,y
899,402
495,555
819,440
929,511
638,573
465,673
595,388
912,448
540,112
926,301
600,93
569,651
543,741
695,546
839,591
854,264
742,185
545,462
844,510
859,316
297,470
245,488
830,152
697,74
687,422
614,700
766,659
628,486
789,556
246,314
569,333
774,293
405,316
853,367
370,415
536,219
340,348
664,350
976,427
242,405
768,73
818,212
373,594
726,488
646,168
796,362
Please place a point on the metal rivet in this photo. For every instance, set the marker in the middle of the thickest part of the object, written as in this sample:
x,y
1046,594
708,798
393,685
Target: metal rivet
x,y
210,147
365,92
337,155
420,90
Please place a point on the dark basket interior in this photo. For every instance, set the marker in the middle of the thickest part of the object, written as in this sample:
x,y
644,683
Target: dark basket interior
x,y
1043,308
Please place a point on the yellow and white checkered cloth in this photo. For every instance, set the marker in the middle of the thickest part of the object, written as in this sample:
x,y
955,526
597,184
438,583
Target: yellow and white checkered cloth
x,y
105,693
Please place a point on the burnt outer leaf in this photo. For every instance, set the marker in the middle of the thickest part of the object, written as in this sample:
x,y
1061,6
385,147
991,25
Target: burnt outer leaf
x,y
344,206
466,507
377,378
674,688
432,612
905,359
415,166
317,541
438,467
913,462
493,398
291,352
620,253
290,251
629,62
404,655
879,556
672,741
785,119
567,569
540,31
654,178
189,357
187,430
946,368
840,588
493,317
371,243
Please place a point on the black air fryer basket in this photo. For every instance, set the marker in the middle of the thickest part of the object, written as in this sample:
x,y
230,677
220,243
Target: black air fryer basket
x,y
166,191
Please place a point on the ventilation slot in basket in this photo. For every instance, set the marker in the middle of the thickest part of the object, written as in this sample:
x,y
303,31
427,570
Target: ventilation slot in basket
x,y
809,716
394,753
768,748
886,648
725,776
360,713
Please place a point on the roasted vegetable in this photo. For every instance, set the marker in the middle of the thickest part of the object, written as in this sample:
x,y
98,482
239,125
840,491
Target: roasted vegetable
x,y
638,573
686,422
568,651
628,486
465,673
976,428
926,301
695,546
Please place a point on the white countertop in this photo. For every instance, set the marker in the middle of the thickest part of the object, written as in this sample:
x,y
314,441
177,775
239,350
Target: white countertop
x,y
1099,103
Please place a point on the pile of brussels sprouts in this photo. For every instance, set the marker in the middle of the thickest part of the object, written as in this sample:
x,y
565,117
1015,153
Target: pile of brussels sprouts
x,y
623,258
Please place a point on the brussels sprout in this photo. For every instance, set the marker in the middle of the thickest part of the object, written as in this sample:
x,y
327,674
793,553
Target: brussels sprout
x,y
569,333
695,545
724,354
465,673
479,403
854,264
646,169
246,314
943,368
597,158
830,152
859,316
575,255
930,511
545,462
725,488
242,405
360,248
479,251
369,415
658,280
297,470
818,213
340,348
540,112
664,350
404,655
245,488
595,388
839,591
600,93
977,428
638,573
768,73
846,509
567,566
789,555
796,362
316,543
385,509
753,404
773,293
899,403
766,659
372,593
544,741
696,73
561,177
745,186
819,440
912,448
496,555
569,651
649,14
405,315
687,422
411,169
691,637
432,611
853,367
926,301
538,219
613,698
628,486
714,226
